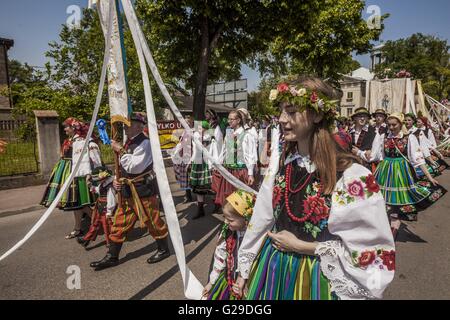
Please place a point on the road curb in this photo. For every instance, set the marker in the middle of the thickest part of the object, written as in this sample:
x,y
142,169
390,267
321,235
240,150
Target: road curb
x,y
8,213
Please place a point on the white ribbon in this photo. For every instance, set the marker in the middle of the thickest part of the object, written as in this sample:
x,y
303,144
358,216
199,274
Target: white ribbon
x,y
86,143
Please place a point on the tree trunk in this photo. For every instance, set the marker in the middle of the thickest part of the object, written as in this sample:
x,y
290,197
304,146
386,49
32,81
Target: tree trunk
x,y
202,73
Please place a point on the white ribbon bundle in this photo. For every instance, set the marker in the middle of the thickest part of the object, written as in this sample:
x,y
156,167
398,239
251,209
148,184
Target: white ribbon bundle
x,y
86,143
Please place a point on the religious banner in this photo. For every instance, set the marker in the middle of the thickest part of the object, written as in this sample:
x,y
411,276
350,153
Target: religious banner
x,y
119,102
169,133
389,95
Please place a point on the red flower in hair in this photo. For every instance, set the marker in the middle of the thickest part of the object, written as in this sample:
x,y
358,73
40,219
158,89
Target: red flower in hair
x,y
371,184
283,87
314,97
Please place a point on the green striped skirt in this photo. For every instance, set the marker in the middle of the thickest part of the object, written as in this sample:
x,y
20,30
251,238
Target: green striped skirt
x,y
400,187
77,195
200,178
277,275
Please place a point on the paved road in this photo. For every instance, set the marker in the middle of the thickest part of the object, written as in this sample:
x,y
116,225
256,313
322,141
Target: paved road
x,y
38,269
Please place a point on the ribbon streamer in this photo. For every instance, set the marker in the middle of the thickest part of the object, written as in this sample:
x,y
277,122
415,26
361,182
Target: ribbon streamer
x,y
85,148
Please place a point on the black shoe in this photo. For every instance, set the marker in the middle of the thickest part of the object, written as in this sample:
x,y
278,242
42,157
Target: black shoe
x,y
111,259
162,253
83,242
107,262
188,196
200,212
158,256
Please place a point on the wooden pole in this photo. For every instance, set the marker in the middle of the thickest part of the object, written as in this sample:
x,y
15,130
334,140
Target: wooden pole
x,y
114,134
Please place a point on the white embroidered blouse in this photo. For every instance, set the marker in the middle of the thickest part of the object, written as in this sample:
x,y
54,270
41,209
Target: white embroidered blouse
x,y
359,222
91,158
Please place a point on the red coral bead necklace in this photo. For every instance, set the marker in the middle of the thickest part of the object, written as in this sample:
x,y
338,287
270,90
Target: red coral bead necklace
x,y
286,195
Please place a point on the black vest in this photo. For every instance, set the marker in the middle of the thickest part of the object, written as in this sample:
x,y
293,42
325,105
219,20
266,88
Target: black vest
x,y
365,139
146,188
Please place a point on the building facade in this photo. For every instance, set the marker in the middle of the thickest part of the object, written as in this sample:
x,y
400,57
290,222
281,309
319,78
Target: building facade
x,y
353,88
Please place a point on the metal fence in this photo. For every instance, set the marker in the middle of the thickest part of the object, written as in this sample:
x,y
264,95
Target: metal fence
x,y
19,157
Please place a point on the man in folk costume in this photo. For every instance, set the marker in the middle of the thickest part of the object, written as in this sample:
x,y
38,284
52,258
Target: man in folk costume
x,y
380,117
362,134
139,191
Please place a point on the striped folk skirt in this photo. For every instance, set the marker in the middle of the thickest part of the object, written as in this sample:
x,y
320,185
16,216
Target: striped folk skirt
x,y
403,192
200,178
277,275
182,175
221,290
77,195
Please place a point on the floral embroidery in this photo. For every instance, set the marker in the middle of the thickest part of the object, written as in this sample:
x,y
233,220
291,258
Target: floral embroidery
x,y
436,195
424,184
379,257
408,209
388,258
316,208
361,188
371,184
356,189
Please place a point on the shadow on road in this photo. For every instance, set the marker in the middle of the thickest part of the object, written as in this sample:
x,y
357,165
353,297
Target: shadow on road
x,y
174,270
406,235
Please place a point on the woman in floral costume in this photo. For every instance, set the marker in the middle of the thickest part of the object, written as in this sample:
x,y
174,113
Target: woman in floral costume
x,y
400,153
319,229
78,197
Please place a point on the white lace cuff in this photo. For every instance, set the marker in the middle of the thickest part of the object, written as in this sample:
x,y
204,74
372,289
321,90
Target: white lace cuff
x,y
330,264
245,264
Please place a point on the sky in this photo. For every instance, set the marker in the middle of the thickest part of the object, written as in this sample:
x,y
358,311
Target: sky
x,y
33,24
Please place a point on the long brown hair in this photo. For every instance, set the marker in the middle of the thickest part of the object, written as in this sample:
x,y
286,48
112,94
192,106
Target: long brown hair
x,y
324,151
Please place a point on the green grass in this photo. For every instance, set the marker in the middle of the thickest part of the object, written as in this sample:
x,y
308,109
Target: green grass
x,y
18,158
107,153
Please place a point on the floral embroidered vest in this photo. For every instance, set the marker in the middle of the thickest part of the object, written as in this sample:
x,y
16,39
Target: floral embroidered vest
x,y
396,147
301,208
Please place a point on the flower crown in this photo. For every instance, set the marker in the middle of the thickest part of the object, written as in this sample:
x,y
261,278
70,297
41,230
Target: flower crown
x,y
304,98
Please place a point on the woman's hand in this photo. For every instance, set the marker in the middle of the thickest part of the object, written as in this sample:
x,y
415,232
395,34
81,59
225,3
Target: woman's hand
x,y
239,287
433,181
207,289
117,185
287,242
250,181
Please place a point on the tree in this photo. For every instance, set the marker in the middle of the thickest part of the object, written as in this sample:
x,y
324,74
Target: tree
x,y
335,29
69,84
197,41
425,57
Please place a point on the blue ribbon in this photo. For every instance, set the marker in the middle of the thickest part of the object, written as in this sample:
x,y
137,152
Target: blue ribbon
x,y
101,126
